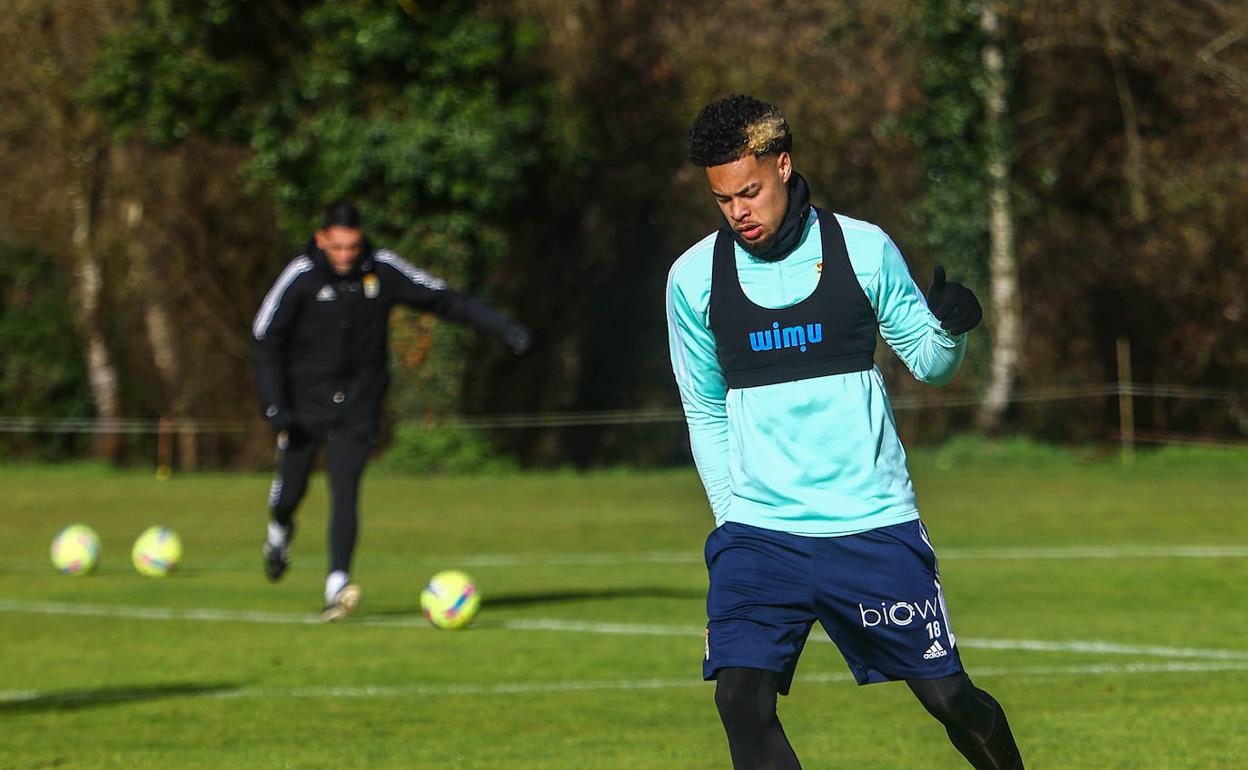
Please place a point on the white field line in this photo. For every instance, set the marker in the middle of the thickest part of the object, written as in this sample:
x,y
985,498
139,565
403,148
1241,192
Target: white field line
x,y
523,688
1104,648
573,626
989,553
1029,645
1098,552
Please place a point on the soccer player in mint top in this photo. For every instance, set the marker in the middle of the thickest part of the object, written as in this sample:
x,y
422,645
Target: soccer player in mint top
x,y
772,322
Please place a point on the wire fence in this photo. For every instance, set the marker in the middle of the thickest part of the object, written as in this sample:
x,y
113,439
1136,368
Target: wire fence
x,y
644,416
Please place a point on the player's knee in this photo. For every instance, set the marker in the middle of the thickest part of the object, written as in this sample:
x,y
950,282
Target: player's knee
x,y
952,699
745,699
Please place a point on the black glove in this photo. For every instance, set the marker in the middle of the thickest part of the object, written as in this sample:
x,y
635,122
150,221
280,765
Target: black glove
x,y
279,418
516,338
953,304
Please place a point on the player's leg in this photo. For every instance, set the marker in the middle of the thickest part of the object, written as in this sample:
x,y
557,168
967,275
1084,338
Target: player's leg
x,y
757,624
296,451
885,608
975,722
346,455
746,699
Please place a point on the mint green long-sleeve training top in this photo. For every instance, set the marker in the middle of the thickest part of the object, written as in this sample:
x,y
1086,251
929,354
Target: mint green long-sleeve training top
x,y
817,457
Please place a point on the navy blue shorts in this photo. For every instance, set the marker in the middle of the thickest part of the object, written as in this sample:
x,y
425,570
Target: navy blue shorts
x,y
876,594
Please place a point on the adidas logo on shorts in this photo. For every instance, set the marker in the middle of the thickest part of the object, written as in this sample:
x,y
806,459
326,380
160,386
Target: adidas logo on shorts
x,y
935,651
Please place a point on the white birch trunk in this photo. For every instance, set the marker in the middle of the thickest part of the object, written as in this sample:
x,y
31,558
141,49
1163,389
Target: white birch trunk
x,y
88,287
158,323
1003,267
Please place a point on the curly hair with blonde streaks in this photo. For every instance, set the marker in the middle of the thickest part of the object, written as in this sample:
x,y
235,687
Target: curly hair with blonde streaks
x,y
727,129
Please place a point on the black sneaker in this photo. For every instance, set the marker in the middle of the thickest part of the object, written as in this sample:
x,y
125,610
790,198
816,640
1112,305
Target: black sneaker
x,y
343,603
277,558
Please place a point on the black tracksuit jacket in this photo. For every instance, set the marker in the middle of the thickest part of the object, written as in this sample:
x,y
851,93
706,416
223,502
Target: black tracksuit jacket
x,y
320,339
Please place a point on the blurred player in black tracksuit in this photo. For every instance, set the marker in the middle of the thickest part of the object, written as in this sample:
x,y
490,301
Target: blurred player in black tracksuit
x,y
320,359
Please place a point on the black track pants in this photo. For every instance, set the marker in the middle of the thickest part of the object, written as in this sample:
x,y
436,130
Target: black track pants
x,y
975,722
345,457
746,699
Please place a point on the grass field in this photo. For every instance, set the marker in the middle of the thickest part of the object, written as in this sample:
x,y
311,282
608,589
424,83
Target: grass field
x,y
1107,608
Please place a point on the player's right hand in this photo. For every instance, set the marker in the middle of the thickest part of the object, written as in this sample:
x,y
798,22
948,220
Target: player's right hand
x,y
280,420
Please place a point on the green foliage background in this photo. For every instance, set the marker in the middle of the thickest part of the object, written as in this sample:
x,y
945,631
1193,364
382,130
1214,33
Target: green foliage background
x,y
532,153
412,111
41,361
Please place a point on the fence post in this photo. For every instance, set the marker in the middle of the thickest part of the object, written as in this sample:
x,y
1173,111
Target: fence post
x,y
1126,406
164,449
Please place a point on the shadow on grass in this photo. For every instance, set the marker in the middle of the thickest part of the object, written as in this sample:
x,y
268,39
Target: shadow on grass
x,y
542,598
73,700
538,599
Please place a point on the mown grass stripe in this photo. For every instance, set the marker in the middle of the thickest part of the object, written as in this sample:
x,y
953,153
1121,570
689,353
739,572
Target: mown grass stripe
x,y
978,553
524,688
1093,647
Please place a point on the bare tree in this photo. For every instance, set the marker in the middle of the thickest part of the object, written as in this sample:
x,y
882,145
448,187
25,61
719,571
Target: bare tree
x,y
161,330
1002,260
47,49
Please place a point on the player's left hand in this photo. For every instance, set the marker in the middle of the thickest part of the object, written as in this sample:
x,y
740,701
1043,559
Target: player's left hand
x,y
954,305
517,338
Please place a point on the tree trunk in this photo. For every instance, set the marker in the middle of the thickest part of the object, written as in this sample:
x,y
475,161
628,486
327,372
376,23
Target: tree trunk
x,y
88,286
1133,167
158,323
1002,262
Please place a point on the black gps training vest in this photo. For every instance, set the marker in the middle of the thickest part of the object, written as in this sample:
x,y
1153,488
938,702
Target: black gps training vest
x,y
830,332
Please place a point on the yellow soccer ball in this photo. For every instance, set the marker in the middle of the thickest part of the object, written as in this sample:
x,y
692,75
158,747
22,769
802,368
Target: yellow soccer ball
x,y
76,550
450,600
157,551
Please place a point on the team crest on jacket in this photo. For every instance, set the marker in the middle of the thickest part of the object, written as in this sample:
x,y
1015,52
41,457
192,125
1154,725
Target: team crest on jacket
x,y
372,286
326,294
